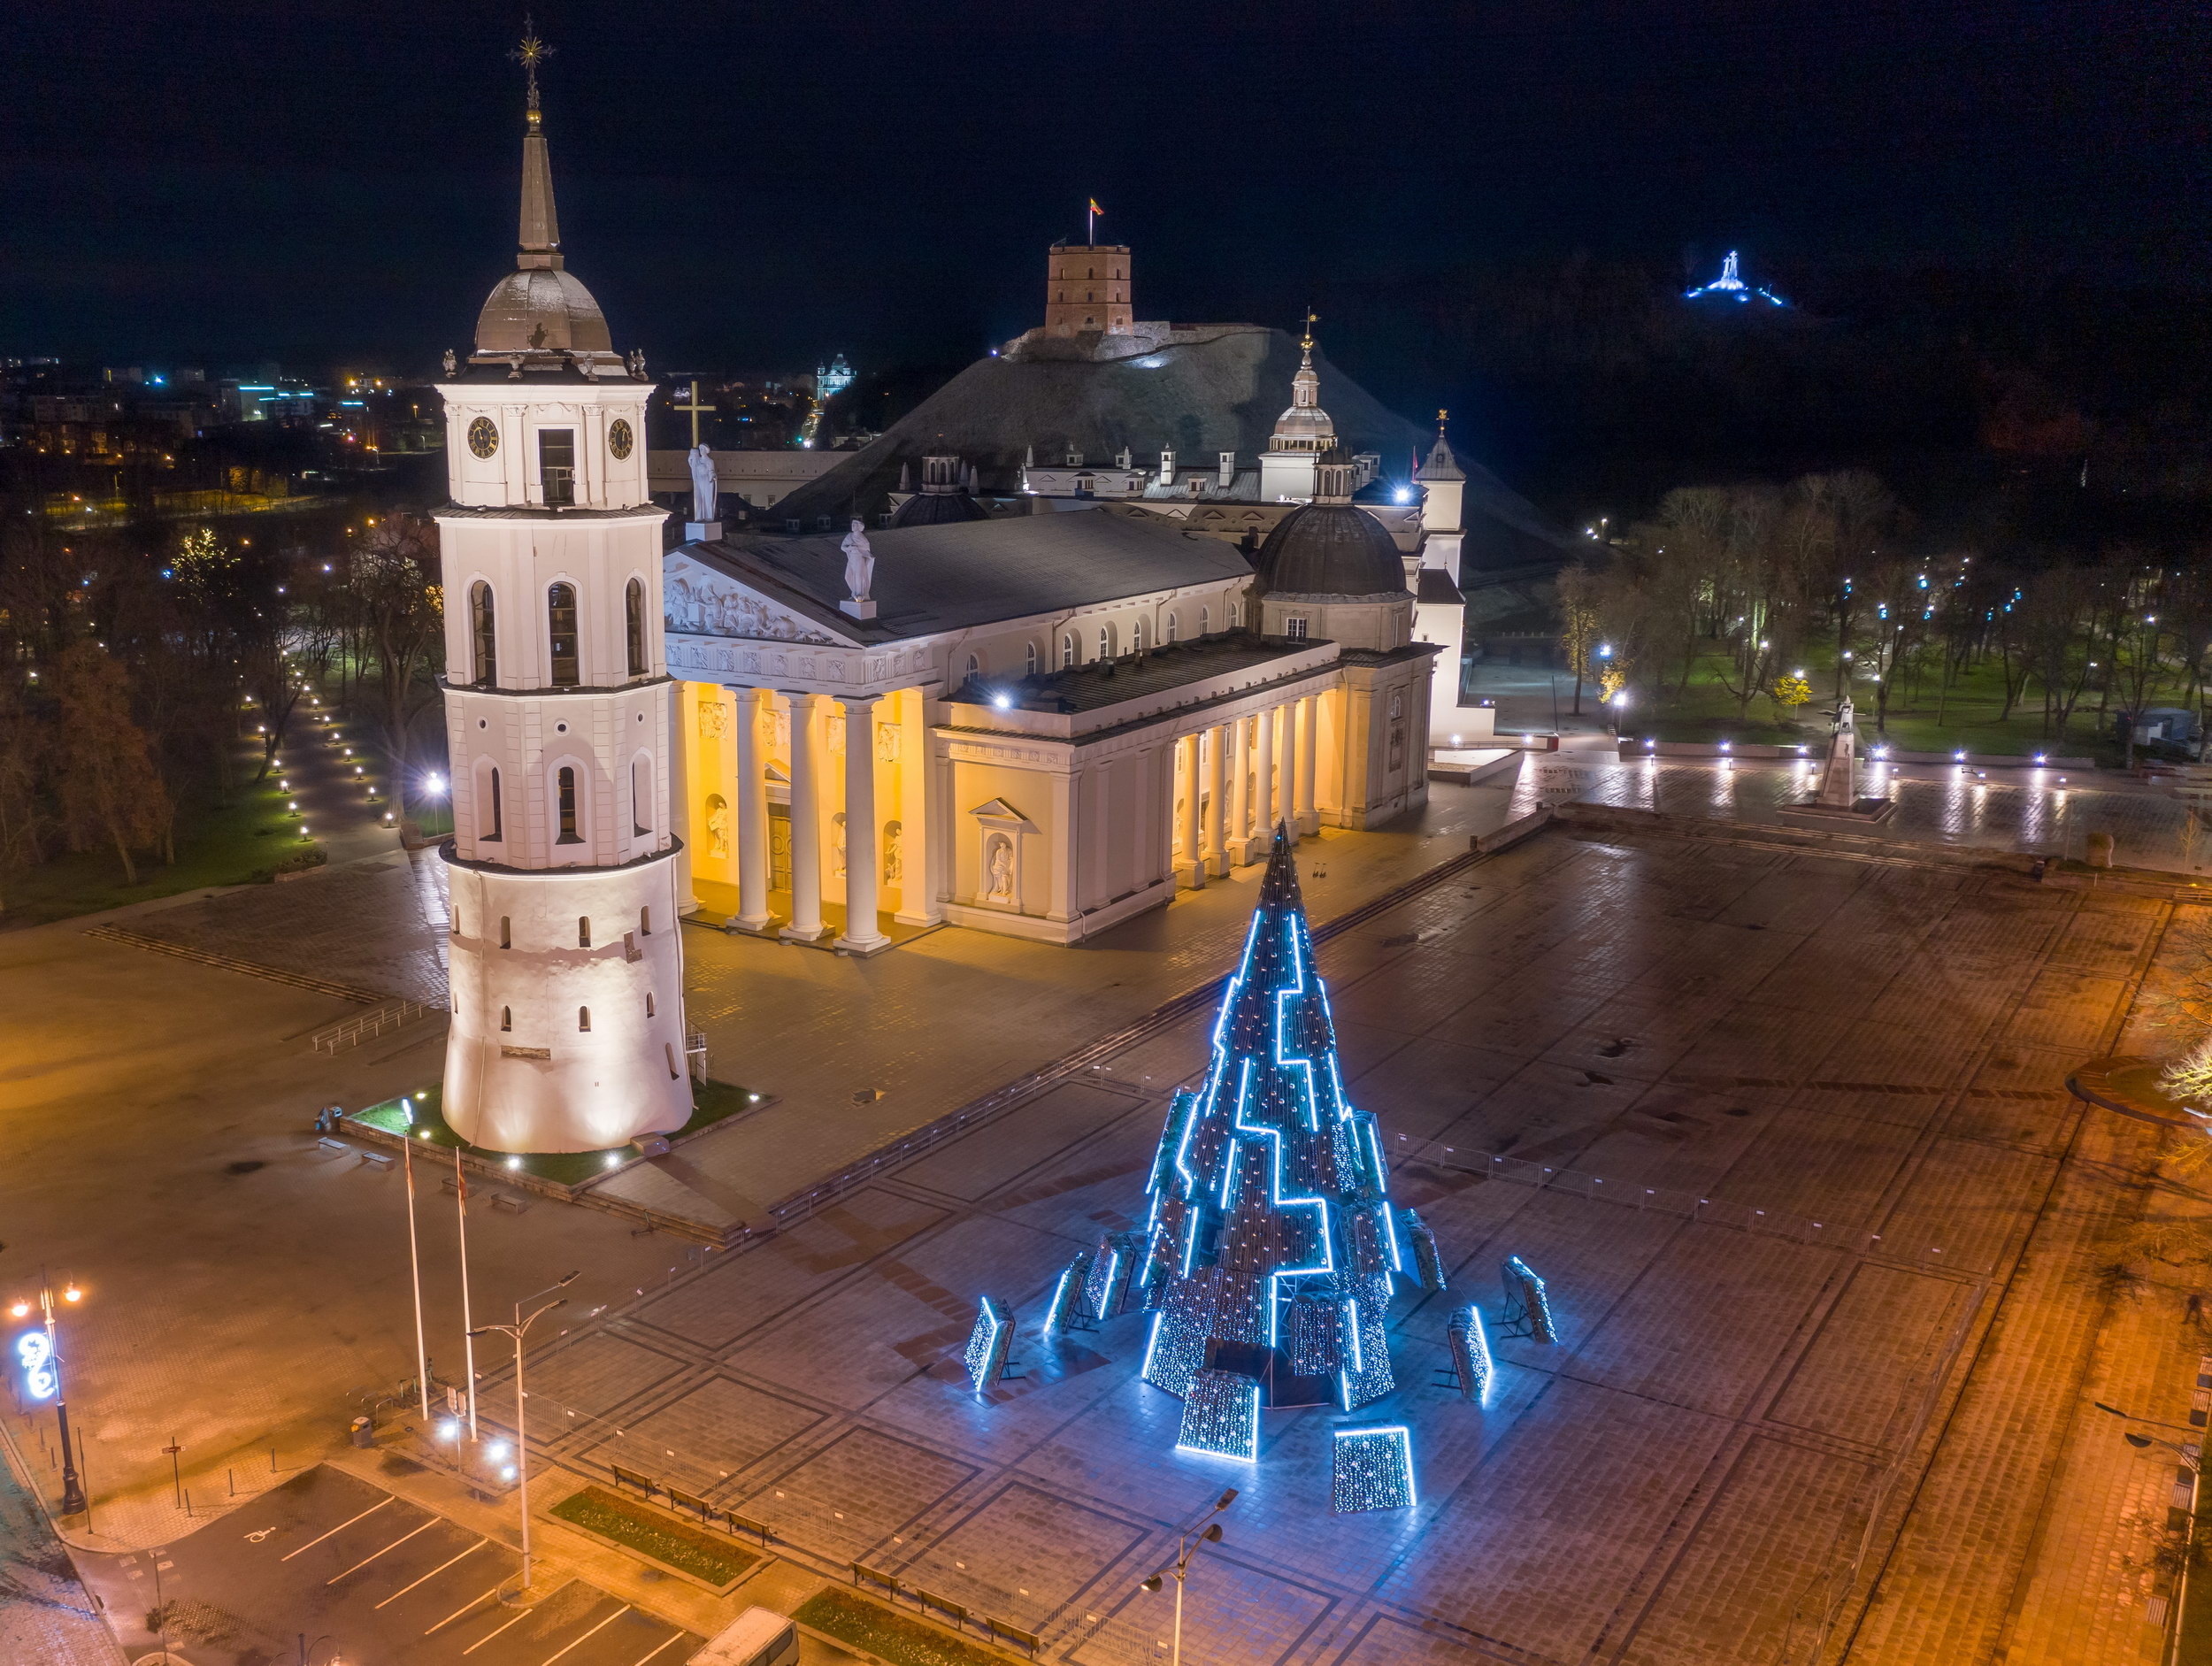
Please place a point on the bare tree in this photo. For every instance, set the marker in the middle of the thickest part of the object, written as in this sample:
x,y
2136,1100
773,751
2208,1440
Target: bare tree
x,y
398,604
1578,622
111,793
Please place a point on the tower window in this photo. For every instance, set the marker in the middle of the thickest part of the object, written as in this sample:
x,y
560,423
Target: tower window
x,y
645,922
482,635
583,1017
489,819
583,932
641,798
506,1018
668,1049
506,932
633,621
649,1003
565,786
556,467
560,623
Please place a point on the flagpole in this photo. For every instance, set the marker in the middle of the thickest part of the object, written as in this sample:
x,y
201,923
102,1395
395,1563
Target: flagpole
x,y
414,1261
1091,220
468,1330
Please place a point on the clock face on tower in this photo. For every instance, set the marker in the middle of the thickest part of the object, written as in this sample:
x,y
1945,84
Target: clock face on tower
x,y
619,438
483,437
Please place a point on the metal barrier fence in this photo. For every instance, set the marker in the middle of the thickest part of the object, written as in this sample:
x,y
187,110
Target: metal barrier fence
x,y
335,1038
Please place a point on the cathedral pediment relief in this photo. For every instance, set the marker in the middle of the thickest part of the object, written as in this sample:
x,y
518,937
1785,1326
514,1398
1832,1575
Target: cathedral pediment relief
x,y
700,602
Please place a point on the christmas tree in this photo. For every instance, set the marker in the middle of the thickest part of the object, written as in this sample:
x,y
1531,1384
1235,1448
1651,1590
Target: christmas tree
x,y
1273,1242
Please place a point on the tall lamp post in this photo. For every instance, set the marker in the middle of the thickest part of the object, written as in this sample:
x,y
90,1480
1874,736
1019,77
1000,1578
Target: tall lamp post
x,y
39,1353
2192,1456
1205,1530
520,1329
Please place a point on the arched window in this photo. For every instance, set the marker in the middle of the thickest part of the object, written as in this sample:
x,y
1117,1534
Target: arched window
x,y
634,623
489,819
506,1018
645,922
506,932
583,930
1029,661
1105,642
1174,626
560,619
649,1003
1136,637
975,665
1236,614
1067,650
640,797
482,635
565,785
583,1017
1205,621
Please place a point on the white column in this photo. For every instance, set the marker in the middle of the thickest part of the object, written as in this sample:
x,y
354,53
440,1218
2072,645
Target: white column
x,y
1065,848
1263,784
1214,854
1308,720
1286,803
1240,841
1190,867
918,902
806,822
751,782
863,864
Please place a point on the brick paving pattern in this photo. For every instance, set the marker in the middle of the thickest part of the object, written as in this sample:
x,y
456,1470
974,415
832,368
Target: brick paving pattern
x,y
1744,1447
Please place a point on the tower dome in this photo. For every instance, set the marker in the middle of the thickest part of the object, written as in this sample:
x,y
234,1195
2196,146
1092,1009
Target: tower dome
x,y
539,318
1304,426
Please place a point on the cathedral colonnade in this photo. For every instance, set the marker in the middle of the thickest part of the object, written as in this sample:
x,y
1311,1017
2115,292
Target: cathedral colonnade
x,y
830,818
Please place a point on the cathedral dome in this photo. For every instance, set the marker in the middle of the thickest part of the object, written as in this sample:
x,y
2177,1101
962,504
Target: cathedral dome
x,y
1331,549
542,309
938,509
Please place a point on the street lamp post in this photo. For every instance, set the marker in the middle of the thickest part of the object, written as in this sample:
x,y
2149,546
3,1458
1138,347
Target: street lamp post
x,y
518,1330
2192,1457
1206,1531
39,1352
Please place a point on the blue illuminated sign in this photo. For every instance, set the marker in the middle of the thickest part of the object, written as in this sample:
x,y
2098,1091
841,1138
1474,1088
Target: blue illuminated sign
x,y
34,1349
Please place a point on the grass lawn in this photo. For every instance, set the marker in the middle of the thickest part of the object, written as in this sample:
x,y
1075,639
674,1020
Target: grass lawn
x,y
418,1114
1707,711
230,844
887,1634
654,1534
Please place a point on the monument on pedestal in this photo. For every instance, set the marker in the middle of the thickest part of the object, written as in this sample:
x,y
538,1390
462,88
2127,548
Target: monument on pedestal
x,y
706,498
1838,799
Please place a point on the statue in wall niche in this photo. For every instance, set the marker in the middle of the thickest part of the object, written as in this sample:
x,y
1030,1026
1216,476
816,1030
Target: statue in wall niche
x,y
719,828
894,861
887,744
999,858
714,720
837,844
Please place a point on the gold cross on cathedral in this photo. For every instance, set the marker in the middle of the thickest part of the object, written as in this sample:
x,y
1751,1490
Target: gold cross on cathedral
x,y
697,411
530,53
1312,318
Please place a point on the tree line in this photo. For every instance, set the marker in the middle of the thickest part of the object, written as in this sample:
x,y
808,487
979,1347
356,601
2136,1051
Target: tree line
x,y
141,660
1743,584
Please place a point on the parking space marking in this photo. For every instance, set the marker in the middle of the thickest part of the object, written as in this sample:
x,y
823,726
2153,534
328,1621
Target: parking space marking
x,y
434,1573
663,1650
481,1642
465,1607
394,1544
588,1636
389,1498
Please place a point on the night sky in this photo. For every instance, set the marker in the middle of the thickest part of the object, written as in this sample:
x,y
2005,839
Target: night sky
x,y
754,186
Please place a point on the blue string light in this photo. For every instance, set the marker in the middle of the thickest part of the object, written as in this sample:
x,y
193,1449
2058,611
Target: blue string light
x,y
1221,1417
1372,1470
988,1344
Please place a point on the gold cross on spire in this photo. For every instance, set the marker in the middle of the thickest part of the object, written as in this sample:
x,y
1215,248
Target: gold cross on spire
x,y
530,53
1312,318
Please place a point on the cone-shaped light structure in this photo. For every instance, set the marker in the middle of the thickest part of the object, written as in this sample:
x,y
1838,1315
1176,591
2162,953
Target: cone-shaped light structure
x,y
1273,1240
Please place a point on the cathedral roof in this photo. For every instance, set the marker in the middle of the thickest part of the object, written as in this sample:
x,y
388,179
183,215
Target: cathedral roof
x,y
1333,550
542,309
938,509
950,576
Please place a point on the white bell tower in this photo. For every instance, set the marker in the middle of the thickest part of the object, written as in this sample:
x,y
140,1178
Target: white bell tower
x,y
566,964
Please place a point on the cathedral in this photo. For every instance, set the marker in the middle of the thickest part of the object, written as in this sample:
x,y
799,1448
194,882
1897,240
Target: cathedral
x,y
1036,722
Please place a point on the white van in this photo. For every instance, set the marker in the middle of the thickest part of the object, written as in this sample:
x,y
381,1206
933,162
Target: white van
x,y
758,1637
